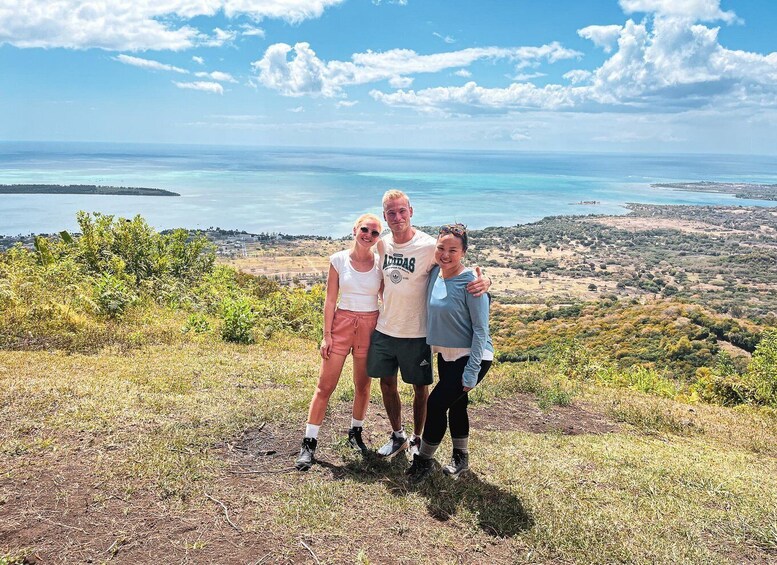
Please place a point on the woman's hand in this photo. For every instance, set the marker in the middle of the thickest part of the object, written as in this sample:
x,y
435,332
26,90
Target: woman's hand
x,y
326,346
468,388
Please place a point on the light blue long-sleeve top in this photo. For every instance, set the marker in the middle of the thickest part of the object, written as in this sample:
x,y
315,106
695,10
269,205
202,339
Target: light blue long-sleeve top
x,y
455,318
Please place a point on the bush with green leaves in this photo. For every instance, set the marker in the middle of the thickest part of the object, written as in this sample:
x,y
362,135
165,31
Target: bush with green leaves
x,y
761,376
132,247
238,320
121,278
196,323
113,295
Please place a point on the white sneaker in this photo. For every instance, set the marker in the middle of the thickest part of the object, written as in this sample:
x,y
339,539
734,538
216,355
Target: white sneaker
x,y
393,446
414,447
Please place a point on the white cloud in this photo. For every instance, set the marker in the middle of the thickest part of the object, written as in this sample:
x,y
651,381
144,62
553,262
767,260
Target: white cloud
x,y
520,77
119,25
601,36
148,64
472,97
519,136
666,63
347,103
217,75
696,10
464,73
198,60
213,87
577,76
297,110
400,82
220,37
446,38
306,74
251,31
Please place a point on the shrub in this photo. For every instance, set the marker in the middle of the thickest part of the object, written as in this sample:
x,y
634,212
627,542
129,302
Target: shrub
x,y
238,319
761,376
112,295
197,323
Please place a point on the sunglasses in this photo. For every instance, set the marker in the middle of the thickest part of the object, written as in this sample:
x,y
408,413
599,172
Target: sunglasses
x,y
455,229
373,233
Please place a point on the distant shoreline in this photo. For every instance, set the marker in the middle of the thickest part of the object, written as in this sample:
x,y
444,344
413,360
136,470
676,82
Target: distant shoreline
x,y
752,191
83,189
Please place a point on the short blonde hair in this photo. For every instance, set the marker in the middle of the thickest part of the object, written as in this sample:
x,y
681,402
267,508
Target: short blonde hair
x,y
395,194
368,218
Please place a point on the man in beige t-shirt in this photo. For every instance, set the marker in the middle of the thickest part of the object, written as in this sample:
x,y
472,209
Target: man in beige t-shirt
x,y
399,340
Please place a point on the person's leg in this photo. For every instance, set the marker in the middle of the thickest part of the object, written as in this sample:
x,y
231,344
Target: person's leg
x,y
458,417
391,401
459,427
327,381
414,357
361,388
420,398
445,392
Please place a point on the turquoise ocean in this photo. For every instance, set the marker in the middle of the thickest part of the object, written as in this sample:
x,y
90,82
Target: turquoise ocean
x,y
320,192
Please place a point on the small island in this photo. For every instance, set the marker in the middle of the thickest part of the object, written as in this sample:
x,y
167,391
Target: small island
x,y
83,189
753,191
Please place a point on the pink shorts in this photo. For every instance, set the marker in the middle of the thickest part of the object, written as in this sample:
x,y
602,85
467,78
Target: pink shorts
x,y
352,331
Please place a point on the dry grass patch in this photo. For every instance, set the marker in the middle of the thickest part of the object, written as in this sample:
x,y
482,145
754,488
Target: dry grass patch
x,y
184,453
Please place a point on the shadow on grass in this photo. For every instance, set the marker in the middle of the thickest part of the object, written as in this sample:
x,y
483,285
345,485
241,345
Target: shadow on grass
x,y
498,512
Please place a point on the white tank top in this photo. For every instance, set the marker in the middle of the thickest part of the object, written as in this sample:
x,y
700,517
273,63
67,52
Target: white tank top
x,y
358,291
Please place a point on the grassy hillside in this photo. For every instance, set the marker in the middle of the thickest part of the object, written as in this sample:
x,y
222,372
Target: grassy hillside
x,y
153,401
126,456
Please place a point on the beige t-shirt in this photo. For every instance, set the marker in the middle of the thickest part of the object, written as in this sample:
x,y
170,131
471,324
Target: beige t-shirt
x,y
406,270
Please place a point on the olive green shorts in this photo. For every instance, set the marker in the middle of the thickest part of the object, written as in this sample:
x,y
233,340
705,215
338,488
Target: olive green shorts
x,y
410,355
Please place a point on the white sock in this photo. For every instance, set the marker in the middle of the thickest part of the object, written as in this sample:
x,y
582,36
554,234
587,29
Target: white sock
x,y
356,423
400,432
311,431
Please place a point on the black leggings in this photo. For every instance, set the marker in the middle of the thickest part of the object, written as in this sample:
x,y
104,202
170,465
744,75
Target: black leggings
x,y
447,403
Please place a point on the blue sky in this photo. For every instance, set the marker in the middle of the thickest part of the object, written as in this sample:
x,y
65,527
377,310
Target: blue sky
x,y
598,75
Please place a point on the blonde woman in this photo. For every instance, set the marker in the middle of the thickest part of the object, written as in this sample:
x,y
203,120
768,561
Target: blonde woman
x,y
355,276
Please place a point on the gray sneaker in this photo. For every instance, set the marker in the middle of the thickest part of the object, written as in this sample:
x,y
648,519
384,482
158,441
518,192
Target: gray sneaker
x,y
355,440
306,454
459,463
394,445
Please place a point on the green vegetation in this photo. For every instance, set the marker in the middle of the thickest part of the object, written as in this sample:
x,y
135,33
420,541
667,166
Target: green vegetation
x,y
121,283
83,189
725,261
147,412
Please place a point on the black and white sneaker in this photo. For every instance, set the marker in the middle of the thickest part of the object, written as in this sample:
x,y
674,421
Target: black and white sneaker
x,y
306,454
414,447
355,440
459,463
394,445
419,470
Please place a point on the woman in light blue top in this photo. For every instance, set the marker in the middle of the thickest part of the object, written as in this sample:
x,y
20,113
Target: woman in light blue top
x,y
457,330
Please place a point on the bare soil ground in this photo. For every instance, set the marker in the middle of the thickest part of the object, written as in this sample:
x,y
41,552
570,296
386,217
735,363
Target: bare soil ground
x,y
68,512
637,223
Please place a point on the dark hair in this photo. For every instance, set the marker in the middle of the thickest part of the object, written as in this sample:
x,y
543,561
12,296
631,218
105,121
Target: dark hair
x,y
459,230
